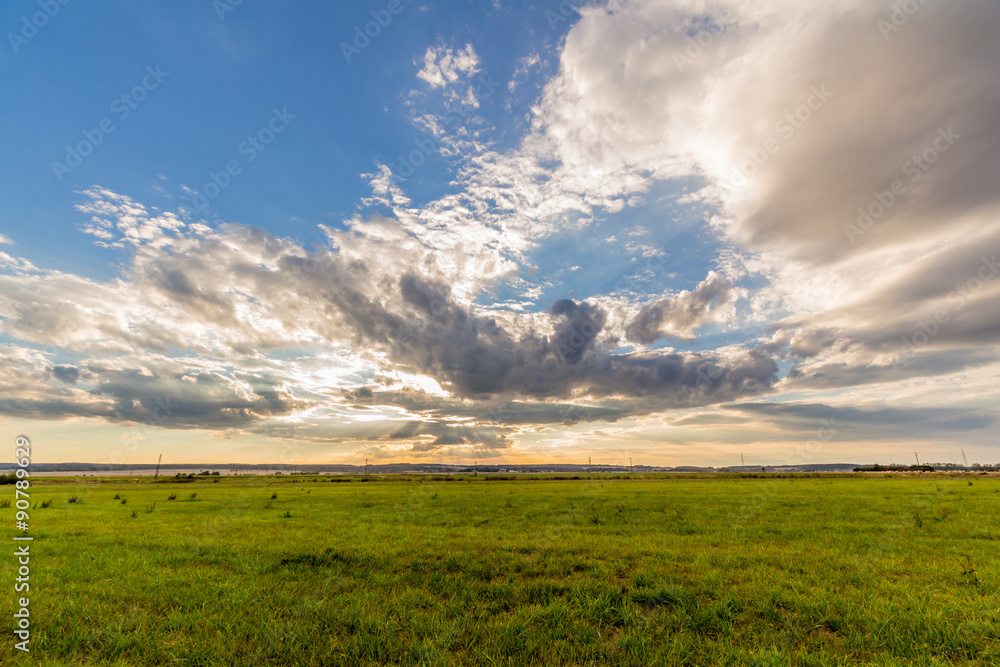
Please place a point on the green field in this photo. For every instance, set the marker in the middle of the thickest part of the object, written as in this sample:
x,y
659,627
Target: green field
x,y
726,570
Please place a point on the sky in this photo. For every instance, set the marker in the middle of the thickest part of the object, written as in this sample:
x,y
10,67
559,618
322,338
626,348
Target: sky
x,y
676,232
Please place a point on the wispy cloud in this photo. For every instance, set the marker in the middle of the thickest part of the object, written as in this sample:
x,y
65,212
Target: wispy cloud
x,y
444,65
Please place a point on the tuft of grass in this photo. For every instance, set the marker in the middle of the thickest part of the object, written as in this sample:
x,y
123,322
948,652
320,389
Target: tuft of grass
x,y
74,500
172,496
151,508
660,598
328,558
5,502
135,513
47,503
287,515
968,570
118,496
274,495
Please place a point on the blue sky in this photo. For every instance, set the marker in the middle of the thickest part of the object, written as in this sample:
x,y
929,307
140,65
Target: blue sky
x,y
224,78
503,231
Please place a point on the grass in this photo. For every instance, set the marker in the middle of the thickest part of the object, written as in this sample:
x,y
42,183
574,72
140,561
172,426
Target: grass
x,y
834,570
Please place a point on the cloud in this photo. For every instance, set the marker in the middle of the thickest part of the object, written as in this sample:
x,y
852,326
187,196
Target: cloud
x,y
577,332
165,392
118,221
384,189
444,65
682,315
700,88
758,102
870,422
229,298
196,399
68,374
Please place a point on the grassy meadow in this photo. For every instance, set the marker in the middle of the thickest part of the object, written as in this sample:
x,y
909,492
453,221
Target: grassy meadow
x,y
646,570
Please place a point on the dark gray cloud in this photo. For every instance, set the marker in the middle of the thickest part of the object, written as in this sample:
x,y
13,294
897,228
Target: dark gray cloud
x,y
577,329
559,373
941,315
68,374
170,395
197,399
475,357
53,408
865,423
682,315
925,363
